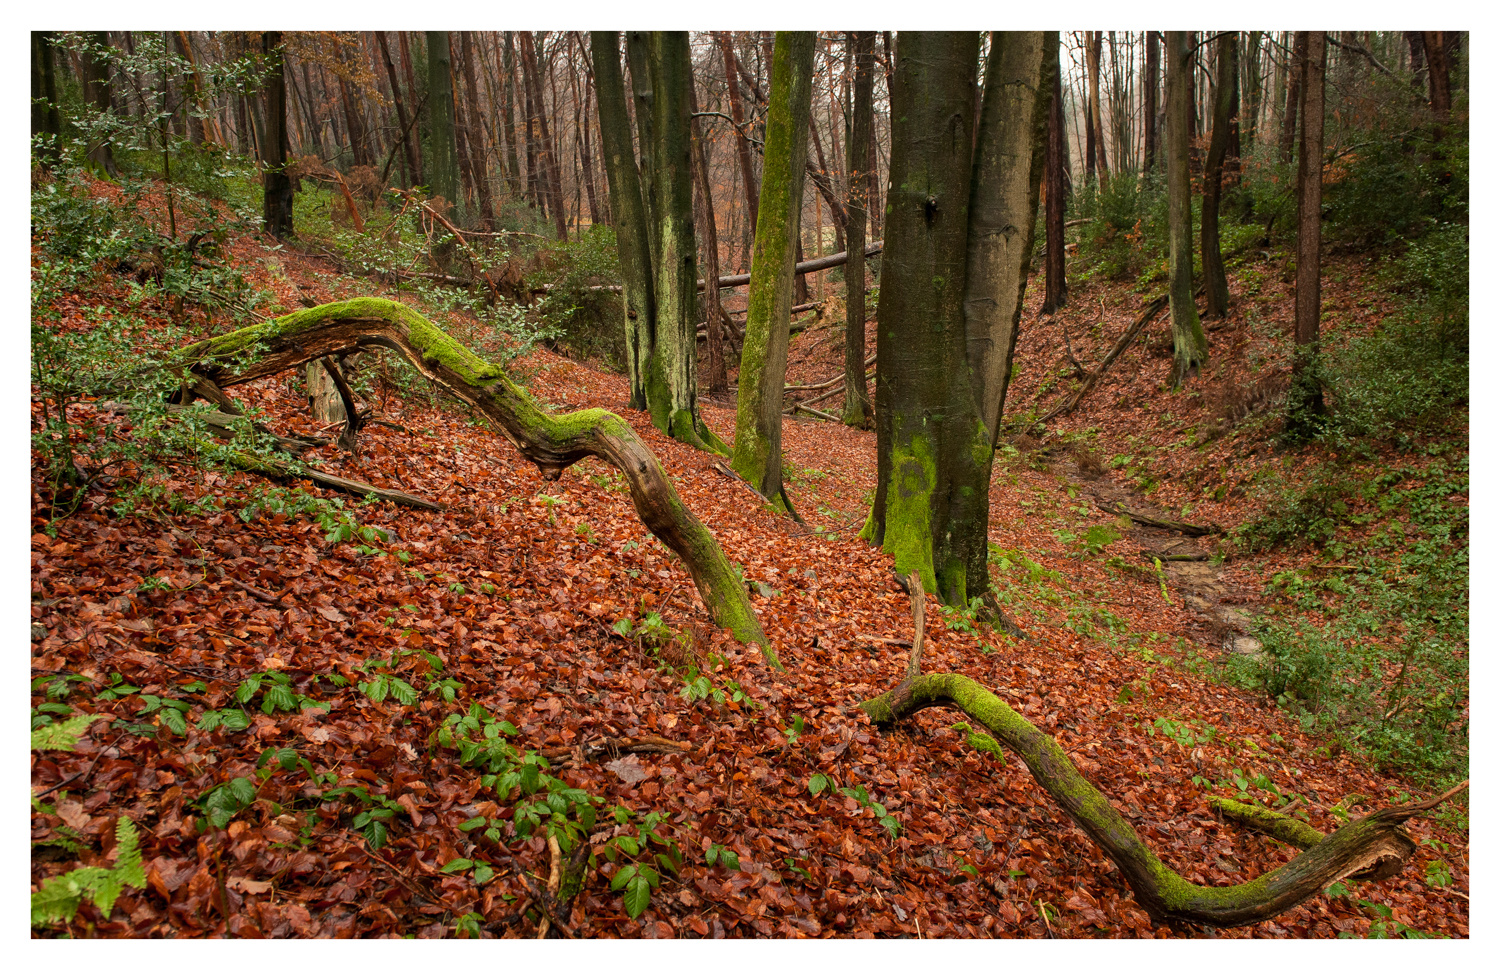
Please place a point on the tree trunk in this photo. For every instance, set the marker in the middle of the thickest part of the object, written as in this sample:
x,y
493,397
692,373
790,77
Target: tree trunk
x,y
1096,135
443,167
512,162
1254,90
46,121
628,207
1293,96
410,141
672,380
742,141
1439,75
1190,347
822,177
1372,847
857,410
278,187
462,132
597,216
535,193
757,429
359,142
1057,193
472,113
922,466
1153,75
551,174
718,378
1215,283
552,443
1305,396
96,92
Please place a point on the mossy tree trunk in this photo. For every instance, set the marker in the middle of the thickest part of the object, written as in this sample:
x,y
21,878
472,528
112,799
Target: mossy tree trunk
x,y
857,410
1373,847
932,449
628,208
275,148
757,429
443,145
1189,345
958,249
551,443
1305,396
672,373
1215,282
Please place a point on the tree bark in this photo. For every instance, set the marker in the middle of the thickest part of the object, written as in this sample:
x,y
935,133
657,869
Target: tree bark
x,y
552,443
1215,282
1190,346
477,162
1096,134
857,411
1254,91
1373,847
1439,75
628,207
1293,96
46,121
442,143
95,66
410,142
1057,194
718,378
359,142
741,139
672,380
1153,75
512,162
921,338
1305,396
757,429
277,207
551,174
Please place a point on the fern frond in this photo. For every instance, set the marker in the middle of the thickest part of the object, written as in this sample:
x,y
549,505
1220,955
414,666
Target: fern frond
x,y
63,735
57,900
128,865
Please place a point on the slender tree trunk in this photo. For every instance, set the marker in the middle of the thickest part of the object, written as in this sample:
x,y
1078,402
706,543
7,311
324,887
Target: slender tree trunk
x,y
512,162
1250,115
1096,137
1057,190
462,131
822,179
1153,75
1293,96
443,165
718,378
1305,404
1439,75
857,410
581,116
742,141
359,142
535,192
414,140
1215,283
473,114
278,187
628,207
551,174
409,142
672,381
757,430
921,343
1190,347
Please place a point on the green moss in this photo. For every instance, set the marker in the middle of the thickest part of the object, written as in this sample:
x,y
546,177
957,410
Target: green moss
x,y
908,505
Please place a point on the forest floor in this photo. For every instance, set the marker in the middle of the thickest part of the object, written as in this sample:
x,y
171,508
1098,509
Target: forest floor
x,y
513,597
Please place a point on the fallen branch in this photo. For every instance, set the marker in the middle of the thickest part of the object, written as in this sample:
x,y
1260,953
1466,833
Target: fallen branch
x,y
1092,378
1374,846
813,411
838,379
1186,528
552,443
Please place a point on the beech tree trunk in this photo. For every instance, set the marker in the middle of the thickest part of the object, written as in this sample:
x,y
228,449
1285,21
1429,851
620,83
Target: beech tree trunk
x,y
1190,346
757,428
1439,74
741,139
672,376
632,220
477,162
1057,194
1254,90
1096,135
410,142
512,162
718,378
1305,396
1215,282
551,173
1293,96
443,145
552,443
1373,847
1150,85
277,207
857,410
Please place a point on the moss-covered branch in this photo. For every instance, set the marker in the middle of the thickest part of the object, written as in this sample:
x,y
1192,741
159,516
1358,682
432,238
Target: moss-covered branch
x,y
552,443
1374,846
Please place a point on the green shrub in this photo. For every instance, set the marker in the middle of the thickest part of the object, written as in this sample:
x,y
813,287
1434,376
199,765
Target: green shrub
x,y
590,321
1310,515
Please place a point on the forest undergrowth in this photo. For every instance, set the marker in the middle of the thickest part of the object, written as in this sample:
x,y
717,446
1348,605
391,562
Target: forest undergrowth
x,y
326,717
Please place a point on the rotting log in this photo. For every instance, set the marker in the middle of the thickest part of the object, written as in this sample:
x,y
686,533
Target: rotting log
x,y
552,443
1372,847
